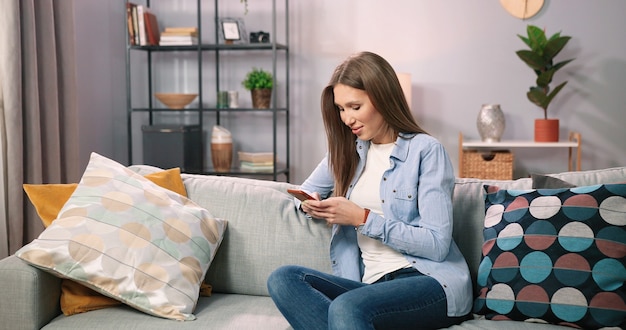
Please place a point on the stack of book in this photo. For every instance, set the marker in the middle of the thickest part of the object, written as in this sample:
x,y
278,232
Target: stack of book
x,y
143,28
179,36
256,161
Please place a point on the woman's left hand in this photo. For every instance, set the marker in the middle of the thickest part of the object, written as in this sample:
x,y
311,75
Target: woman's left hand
x,y
335,210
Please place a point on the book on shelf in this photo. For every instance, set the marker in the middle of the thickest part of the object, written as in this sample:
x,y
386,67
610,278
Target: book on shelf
x,y
165,41
129,20
260,164
177,36
252,167
256,157
152,27
141,25
180,30
135,24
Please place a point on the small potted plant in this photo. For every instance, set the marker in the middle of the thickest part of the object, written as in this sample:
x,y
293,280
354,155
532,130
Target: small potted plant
x,y
260,83
540,58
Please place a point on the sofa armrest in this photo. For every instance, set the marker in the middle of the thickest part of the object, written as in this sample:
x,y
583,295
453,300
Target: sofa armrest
x,y
29,297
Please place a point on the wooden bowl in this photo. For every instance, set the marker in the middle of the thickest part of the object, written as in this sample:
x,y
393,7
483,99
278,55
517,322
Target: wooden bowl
x,y
175,100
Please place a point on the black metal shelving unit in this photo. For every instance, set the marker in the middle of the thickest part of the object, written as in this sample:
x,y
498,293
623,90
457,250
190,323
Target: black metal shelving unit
x,y
279,53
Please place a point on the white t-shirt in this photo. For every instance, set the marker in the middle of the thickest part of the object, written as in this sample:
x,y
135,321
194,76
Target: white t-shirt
x,y
379,259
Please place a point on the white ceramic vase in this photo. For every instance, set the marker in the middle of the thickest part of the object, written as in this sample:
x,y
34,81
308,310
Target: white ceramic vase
x,y
490,122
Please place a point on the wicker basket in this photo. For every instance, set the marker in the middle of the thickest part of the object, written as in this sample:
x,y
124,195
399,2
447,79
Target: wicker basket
x,y
493,164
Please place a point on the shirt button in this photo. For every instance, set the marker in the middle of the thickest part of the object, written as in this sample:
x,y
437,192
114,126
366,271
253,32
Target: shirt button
x,y
382,201
334,262
410,196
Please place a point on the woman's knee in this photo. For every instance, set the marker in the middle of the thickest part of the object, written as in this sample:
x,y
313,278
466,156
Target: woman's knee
x,y
344,313
281,275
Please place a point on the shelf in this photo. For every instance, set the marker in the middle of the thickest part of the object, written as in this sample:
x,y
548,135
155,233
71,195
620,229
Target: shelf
x,y
574,142
212,47
519,144
239,172
208,110
210,57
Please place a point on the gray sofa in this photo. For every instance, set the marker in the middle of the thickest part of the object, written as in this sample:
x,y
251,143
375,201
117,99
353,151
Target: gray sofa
x,y
264,232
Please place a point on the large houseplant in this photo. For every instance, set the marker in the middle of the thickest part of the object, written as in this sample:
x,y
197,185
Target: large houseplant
x,y
260,83
540,58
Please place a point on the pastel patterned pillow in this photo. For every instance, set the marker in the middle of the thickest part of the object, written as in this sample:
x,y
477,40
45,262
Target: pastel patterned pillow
x,y
125,237
555,255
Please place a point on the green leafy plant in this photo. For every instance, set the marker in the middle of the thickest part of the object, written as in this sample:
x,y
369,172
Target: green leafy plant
x,y
258,79
540,58
245,2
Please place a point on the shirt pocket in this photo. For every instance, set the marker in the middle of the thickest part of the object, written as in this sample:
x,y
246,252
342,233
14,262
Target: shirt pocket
x,y
404,205
406,194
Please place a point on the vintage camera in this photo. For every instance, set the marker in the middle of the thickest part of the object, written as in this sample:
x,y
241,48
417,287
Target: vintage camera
x,y
259,37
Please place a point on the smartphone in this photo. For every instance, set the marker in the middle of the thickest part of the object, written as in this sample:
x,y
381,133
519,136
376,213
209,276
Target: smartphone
x,y
299,194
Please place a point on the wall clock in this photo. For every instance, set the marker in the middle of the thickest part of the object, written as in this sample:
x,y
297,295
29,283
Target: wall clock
x,y
522,8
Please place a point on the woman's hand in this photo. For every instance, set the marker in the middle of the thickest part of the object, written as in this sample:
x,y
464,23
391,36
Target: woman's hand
x,y
335,210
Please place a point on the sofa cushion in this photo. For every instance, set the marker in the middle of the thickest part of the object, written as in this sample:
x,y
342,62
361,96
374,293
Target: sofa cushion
x,y
555,255
265,231
128,238
220,311
592,177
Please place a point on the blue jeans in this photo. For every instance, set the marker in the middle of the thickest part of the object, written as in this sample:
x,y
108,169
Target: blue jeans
x,y
404,299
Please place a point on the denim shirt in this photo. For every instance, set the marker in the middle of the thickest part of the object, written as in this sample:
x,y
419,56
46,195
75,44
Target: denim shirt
x,y
416,198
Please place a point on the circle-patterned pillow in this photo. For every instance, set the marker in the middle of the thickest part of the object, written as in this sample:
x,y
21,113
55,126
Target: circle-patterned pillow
x,y
555,255
125,237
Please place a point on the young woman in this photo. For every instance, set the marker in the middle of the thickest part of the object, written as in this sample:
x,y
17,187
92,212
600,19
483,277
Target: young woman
x,y
386,188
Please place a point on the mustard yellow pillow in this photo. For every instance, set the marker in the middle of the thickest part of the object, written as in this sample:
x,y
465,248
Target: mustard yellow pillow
x,y
48,199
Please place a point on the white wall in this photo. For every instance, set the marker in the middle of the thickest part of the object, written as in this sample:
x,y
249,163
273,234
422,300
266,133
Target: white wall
x,y
460,54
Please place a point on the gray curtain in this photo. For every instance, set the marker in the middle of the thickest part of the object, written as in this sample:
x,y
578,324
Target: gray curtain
x,y
38,113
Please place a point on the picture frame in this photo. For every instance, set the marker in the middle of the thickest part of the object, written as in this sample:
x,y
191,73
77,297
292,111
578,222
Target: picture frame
x,y
232,31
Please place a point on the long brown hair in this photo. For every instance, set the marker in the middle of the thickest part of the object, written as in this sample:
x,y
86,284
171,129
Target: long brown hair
x,y
374,75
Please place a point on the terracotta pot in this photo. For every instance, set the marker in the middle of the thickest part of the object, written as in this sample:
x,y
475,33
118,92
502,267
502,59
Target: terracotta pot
x,y
261,98
546,130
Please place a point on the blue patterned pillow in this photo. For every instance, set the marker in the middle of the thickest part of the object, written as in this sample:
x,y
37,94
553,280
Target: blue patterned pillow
x,y
554,255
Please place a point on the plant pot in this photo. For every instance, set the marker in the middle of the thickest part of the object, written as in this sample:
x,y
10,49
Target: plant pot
x,y
546,130
261,98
